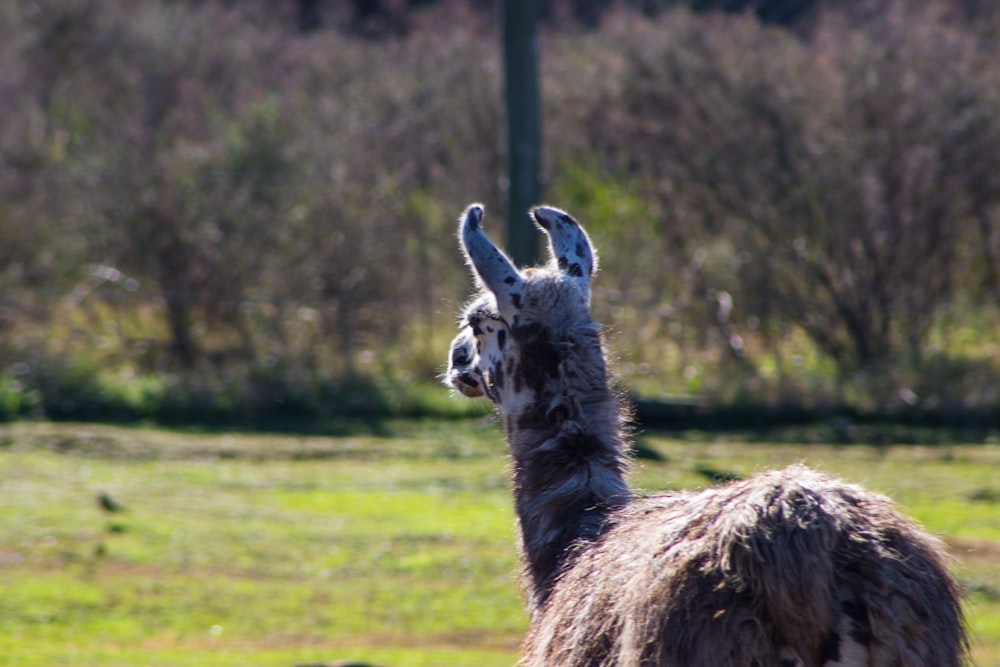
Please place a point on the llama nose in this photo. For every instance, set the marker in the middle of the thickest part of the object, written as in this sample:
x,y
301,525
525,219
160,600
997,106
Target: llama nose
x,y
460,357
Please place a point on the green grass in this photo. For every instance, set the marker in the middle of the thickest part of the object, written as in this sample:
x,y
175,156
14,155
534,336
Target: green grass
x,y
396,549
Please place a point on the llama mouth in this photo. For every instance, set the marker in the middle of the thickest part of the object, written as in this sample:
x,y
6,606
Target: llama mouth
x,y
465,384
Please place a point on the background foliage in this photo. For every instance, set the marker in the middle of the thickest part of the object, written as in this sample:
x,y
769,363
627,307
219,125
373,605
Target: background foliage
x,y
244,211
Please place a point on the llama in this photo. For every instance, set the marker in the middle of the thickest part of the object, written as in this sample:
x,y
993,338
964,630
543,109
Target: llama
x,y
787,569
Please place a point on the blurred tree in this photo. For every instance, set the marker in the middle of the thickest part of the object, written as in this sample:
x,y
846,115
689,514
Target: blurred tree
x,y
189,170
775,12
380,18
309,15
834,170
192,187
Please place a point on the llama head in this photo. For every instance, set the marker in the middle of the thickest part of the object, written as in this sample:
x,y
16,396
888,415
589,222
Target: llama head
x,y
516,333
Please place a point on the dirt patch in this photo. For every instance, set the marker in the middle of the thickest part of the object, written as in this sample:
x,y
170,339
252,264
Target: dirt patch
x,y
139,444
979,567
968,548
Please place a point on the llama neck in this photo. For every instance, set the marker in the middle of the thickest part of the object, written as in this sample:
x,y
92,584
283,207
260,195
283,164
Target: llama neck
x,y
569,462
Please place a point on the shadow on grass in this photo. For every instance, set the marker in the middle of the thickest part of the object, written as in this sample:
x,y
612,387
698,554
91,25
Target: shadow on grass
x,y
827,425
267,402
953,400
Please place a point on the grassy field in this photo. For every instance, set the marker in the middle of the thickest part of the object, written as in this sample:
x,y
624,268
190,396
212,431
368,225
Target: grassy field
x,y
395,549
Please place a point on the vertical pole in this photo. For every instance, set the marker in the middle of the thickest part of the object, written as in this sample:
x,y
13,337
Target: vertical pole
x,y
524,133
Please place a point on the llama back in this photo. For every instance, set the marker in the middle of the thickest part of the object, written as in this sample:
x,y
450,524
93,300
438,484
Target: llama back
x,y
788,568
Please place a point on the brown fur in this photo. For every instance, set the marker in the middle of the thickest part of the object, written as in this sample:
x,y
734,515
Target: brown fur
x,y
787,569
733,575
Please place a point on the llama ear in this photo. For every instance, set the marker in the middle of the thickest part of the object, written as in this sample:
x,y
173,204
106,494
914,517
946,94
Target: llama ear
x,y
492,268
569,246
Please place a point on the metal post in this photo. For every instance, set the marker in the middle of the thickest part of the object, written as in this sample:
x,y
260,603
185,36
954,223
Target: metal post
x,y
524,134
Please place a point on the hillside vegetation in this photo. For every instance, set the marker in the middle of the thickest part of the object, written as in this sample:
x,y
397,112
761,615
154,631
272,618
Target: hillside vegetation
x,y
209,213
